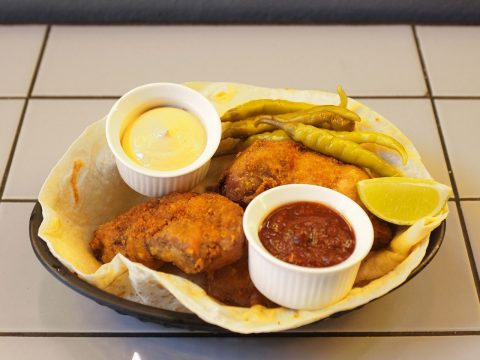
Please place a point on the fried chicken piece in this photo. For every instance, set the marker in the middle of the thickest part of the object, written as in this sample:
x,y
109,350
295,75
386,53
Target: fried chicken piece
x,y
266,164
123,235
195,232
232,285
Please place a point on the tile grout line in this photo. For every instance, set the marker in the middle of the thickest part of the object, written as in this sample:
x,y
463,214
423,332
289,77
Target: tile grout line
x,y
446,97
457,200
24,110
18,200
75,97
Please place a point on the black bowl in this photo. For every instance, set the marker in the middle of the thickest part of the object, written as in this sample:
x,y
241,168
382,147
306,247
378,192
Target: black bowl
x,y
149,313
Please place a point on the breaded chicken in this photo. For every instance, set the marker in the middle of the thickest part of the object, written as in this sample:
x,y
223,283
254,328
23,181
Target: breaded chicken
x,y
122,235
232,285
195,232
266,164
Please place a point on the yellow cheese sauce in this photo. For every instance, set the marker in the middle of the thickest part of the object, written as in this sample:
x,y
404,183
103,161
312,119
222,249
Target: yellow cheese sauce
x,y
164,138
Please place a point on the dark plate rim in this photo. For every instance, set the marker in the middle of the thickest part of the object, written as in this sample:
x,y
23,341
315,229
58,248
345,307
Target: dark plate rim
x,y
153,314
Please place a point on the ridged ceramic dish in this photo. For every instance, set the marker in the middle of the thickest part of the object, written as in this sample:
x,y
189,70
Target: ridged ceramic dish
x,y
299,287
155,182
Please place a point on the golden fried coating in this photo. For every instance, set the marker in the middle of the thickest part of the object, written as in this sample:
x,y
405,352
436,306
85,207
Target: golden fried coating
x,y
195,232
126,234
232,285
266,164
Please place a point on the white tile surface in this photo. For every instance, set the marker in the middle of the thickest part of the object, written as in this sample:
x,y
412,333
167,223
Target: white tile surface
x,y
50,126
393,348
414,117
10,111
471,212
452,56
367,60
93,61
35,300
441,297
19,48
459,120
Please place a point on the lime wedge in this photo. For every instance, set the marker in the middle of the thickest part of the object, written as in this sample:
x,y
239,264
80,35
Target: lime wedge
x,y
401,200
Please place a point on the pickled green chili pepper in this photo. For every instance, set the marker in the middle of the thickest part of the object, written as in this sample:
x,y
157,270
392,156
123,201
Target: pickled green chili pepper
x,y
276,135
343,97
328,111
228,146
263,107
234,145
275,107
328,144
359,137
324,116
243,128
369,137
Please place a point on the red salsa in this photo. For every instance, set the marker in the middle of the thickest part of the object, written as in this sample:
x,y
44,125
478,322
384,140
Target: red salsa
x,y
307,234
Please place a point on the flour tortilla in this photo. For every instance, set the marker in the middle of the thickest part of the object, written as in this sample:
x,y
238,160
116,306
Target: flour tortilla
x,y
85,190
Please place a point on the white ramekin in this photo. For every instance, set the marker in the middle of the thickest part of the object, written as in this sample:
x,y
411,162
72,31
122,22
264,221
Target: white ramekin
x,y
152,182
298,287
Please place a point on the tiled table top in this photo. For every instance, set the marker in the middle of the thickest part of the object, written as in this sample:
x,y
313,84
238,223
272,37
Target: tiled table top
x,y
54,81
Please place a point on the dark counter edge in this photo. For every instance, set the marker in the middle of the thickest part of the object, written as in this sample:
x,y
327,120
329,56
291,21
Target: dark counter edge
x,y
156,315
239,12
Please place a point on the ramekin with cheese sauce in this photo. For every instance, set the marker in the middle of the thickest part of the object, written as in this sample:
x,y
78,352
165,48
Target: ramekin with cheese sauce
x,y
163,136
